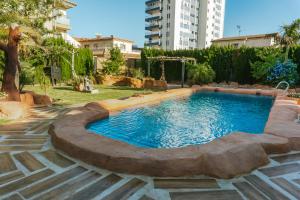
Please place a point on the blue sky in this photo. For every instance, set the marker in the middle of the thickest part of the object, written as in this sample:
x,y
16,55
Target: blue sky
x,y
125,18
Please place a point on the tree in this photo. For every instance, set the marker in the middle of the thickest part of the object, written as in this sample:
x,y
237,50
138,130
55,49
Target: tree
x,y
56,53
116,60
291,36
22,22
200,73
84,62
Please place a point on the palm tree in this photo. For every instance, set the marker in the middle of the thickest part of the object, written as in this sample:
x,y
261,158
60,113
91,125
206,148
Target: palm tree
x,y
291,36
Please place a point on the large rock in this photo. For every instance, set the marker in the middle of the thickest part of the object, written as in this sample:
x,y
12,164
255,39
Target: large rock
x,y
13,110
42,100
283,121
240,153
227,158
27,98
120,81
30,98
155,84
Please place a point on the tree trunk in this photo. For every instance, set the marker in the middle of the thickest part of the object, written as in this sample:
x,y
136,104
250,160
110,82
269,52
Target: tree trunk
x,y
11,65
286,58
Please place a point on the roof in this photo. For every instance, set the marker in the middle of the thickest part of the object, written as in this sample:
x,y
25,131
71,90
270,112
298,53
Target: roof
x,y
246,37
99,39
66,4
166,58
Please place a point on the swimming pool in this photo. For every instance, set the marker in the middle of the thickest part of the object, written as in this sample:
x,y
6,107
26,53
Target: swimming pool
x,y
197,119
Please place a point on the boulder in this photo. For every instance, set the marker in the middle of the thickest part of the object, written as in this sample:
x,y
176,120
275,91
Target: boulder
x,y
155,84
234,84
120,81
42,100
38,99
27,98
231,158
135,83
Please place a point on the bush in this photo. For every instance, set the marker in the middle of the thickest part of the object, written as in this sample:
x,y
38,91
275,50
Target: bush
x,y
283,71
116,60
42,79
137,73
200,74
84,62
267,59
244,65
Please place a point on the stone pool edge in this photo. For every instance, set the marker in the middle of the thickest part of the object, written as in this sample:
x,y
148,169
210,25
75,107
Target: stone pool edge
x,y
227,157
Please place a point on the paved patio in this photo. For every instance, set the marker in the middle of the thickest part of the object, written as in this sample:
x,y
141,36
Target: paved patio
x,y
31,169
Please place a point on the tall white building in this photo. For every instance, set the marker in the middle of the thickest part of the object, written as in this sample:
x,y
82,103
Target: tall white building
x,y
61,22
184,24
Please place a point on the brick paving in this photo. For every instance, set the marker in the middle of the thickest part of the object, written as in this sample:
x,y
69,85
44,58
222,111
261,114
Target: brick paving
x,y
30,168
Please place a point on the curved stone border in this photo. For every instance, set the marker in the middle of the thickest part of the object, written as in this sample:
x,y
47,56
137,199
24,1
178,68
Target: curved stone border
x,y
227,157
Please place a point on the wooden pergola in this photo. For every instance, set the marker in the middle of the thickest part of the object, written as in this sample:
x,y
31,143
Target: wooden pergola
x,y
163,59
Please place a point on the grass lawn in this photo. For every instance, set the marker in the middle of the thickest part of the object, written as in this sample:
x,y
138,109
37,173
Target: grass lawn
x,y
3,121
67,96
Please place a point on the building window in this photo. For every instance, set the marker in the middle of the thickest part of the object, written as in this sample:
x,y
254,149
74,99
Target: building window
x,y
122,47
236,45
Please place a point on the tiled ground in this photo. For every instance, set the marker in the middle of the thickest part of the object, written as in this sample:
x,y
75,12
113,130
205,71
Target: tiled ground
x,y
31,169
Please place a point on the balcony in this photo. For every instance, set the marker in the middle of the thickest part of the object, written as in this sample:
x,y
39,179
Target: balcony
x,y
152,28
150,19
152,2
65,5
153,35
152,43
62,24
153,9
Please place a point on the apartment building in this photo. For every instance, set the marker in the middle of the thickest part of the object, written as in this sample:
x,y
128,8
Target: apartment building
x,y
101,45
183,24
261,40
61,22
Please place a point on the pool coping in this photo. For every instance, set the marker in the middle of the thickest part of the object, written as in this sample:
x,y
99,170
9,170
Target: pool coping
x,y
227,157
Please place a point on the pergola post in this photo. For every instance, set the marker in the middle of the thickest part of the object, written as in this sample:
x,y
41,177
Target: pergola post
x,y
163,75
148,64
182,73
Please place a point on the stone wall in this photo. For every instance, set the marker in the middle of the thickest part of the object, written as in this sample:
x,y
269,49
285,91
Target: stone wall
x,y
132,82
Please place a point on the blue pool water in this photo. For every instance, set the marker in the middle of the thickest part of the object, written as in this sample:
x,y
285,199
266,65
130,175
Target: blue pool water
x,y
197,119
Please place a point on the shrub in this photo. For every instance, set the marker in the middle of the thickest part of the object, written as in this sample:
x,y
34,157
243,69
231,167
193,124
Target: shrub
x,y
267,59
283,71
137,73
244,65
116,60
84,63
200,74
42,79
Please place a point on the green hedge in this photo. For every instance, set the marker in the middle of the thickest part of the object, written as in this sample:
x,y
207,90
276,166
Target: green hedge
x,y
229,63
